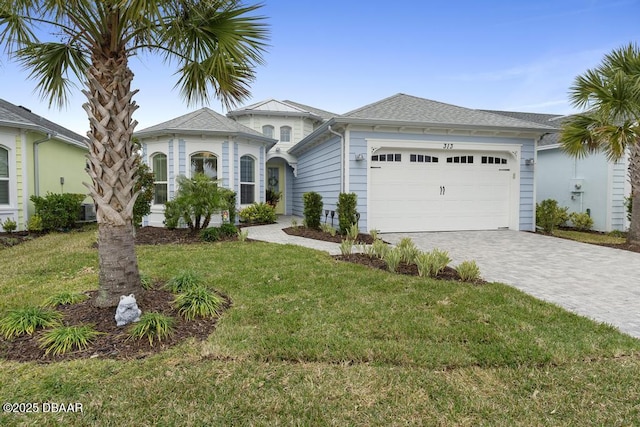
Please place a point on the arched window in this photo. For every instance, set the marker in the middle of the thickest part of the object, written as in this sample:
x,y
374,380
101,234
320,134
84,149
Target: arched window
x,y
285,134
247,180
267,130
159,168
206,163
4,176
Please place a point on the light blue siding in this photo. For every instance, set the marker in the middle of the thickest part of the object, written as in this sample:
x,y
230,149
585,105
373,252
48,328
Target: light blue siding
x,y
172,171
225,164
319,170
618,194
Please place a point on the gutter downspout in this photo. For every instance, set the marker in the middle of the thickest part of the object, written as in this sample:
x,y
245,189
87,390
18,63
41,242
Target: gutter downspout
x,y
342,157
36,173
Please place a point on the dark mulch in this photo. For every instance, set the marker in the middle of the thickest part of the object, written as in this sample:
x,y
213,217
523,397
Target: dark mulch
x,y
164,236
15,238
408,269
115,342
312,233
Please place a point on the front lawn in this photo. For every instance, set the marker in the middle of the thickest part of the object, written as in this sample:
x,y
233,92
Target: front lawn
x,y
314,341
590,237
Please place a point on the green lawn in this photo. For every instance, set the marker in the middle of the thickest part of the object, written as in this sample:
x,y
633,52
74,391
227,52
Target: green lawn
x,y
312,341
585,237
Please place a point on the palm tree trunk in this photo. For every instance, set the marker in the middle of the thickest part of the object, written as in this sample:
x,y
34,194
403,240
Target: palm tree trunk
x,y
634,176
111,165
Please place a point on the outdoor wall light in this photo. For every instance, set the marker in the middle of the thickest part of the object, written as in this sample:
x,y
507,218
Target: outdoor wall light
x,y
360,157
529,162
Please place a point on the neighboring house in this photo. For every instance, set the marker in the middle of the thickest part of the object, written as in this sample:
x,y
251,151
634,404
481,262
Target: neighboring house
x,y
591,184
204,141
36,157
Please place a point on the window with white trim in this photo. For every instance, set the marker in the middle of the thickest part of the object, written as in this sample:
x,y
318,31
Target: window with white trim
x,y
4,176
206,163
285,134
267,130
247,180
421,158
159,168
493,160
460,159
394,157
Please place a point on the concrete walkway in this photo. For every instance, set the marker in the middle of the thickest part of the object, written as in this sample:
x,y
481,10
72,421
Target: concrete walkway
x,y
594,281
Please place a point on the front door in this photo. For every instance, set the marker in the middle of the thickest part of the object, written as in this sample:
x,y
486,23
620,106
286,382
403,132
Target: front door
x,y
275,185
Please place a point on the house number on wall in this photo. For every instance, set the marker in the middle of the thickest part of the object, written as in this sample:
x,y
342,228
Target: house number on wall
x,y
447,146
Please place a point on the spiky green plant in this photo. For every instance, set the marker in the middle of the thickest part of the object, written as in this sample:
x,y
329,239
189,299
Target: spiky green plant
x,y
468,271
243,235
184,280
393,258
408,250
374,234
440,261
328,228
346,247
353,232
64,338
64,298
380,248
146,281
153,326
26,320
198,302
432,263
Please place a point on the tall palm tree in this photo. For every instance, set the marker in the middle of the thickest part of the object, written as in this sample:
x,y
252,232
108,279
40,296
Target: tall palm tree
x,y
610,97
216,45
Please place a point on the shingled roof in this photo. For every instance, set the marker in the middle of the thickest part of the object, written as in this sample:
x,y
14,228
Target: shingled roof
x,y
282,108
203,120
12,115
554,120
407,108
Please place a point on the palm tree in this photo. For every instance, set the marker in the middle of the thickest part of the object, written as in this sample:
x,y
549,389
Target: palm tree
x,y
216,45
610,97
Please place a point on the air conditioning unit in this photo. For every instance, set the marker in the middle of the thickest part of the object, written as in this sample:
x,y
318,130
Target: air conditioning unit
x,y
87,212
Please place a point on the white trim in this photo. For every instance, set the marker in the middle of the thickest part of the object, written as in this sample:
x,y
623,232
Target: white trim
x,y
347,160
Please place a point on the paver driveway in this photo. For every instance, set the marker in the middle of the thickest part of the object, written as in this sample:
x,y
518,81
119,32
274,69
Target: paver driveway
x,y
598,282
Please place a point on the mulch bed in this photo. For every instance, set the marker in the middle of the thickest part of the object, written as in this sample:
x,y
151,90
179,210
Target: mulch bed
x,y
115,342
312,233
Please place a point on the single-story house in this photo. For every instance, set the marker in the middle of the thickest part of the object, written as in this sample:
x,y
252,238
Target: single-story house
x,y
37,156
208,142
415,164
592,184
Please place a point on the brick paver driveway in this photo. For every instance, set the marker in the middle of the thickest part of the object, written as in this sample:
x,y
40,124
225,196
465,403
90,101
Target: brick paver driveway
x,y
594,281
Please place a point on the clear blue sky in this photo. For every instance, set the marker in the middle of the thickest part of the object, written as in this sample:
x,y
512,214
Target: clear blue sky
x,y
339,55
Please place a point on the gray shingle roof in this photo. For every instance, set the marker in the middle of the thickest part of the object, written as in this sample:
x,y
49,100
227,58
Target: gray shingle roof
x,y
407,108
326,115
12,115
203,120
553,120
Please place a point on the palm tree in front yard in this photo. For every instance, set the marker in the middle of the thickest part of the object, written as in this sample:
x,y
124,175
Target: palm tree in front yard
x,y
610,96
216,45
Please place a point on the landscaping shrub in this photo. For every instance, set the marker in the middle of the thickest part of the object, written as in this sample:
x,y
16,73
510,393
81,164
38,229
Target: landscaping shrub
x,y
9,225
346,247
26,320
549,215
34,225
353,232
312,209
228,229
408,250
211,234
58,211
258,213
380,248
184,280
581,221
64,338
328,228
153,326
346,209
243,235
432,263
146,281
198,302
393,257
64,298
197,199
468,271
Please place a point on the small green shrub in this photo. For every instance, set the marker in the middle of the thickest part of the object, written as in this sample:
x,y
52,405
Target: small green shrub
x,y
618,233
346,247
26,320
549,215
184,280
58,211
64,338
432,263
346,209
258,213
243,235
228,230
146,281
211,234
374,234
9,225
393,258
64,298
312,209
380,248
34,225
367,250
581,221
327,228
153,326
198,302
172,217
294,223
468,271
408,250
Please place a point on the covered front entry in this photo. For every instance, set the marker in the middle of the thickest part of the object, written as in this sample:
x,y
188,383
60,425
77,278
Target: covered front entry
x,y
275,180
442,189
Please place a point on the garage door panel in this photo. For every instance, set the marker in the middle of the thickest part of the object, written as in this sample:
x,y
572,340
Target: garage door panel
x,y
412,196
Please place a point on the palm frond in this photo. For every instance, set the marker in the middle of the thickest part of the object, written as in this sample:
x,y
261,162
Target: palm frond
x,y
49,64
15,26
579,135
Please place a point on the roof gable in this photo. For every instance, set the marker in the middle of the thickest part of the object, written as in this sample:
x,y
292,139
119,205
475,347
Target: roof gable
x,y
273,107
317,111
407,108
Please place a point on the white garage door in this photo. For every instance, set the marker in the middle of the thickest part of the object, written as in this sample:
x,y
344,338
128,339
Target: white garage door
x,y
420,190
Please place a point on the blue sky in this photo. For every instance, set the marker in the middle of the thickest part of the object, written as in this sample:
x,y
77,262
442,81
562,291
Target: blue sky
x,y
339,55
